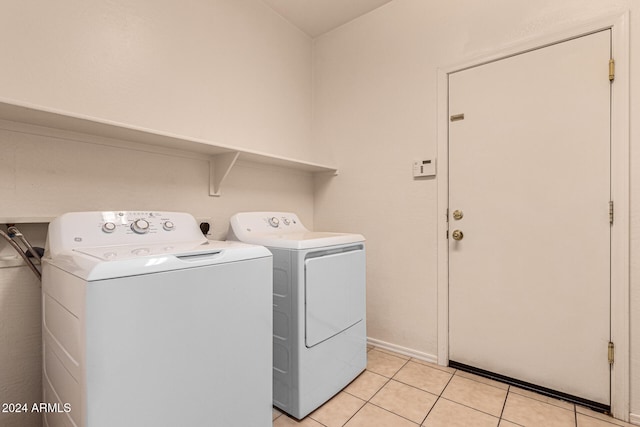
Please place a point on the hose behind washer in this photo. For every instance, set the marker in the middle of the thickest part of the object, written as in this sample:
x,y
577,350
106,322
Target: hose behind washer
x,y
18,249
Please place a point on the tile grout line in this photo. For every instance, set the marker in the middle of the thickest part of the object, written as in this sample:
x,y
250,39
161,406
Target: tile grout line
x,y
470,407
391,412
374,394
383,386
418,388
310,417
504,405
535,396
368,400
354,414
413,386
439,397
389,379
481,382
365,401
542,398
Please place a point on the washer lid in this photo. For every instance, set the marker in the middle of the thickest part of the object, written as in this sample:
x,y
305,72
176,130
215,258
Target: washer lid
x,y
109,262
124,252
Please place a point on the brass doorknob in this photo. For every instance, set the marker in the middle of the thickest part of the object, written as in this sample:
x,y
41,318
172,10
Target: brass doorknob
x,y
457,235
457,214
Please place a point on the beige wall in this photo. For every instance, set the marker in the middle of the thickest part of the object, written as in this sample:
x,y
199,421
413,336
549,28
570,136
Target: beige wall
x,y
45,173
228,71
375,112
20,338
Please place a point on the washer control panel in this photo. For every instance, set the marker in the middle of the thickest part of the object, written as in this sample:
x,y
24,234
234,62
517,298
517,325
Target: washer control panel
x,y
137,222
85,229
140,226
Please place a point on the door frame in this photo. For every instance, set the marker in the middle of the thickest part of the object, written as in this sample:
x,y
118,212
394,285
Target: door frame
x,y
620,190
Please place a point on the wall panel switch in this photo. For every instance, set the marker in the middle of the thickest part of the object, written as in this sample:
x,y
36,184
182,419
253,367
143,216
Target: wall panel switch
x,y
424,168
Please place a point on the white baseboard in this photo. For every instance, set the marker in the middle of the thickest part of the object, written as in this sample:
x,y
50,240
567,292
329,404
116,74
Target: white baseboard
x,y
403,350
634,419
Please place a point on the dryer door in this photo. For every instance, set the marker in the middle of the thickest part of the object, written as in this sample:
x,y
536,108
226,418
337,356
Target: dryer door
x,y
334,293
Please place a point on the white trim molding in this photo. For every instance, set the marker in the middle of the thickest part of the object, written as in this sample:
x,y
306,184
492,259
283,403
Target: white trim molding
x,y
620,193
432,358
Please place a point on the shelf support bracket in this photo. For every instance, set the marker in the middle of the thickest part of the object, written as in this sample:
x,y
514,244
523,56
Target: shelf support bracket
x,y
219,167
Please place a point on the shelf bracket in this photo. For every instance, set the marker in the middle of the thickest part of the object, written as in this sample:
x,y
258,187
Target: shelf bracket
x,y
219,167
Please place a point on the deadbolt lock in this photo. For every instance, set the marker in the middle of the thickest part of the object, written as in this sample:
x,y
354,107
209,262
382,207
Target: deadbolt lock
x,y
457,214
457,235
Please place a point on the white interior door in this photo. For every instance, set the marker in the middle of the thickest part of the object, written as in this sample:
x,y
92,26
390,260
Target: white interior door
x,y
529,169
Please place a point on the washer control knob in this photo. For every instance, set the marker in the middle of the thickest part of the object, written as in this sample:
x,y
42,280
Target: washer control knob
x,y
274,222
108,227
140,226
168,225
286,221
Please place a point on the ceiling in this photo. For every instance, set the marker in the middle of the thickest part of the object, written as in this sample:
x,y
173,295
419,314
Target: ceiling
x,y
316,17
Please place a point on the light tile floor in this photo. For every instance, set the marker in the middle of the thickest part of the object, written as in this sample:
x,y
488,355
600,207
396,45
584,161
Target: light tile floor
x,y
399,391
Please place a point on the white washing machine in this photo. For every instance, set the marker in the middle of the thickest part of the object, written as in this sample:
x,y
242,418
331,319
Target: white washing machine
x,y
147,323
319,331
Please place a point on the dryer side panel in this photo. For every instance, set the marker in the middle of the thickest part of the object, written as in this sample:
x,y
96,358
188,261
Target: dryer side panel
x,y
285,330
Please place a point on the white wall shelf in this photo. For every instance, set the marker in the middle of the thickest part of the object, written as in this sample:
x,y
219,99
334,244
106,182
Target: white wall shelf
x,y
26,220
221,158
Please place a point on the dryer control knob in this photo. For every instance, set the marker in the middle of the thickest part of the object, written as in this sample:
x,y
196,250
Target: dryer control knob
x,y
140,226
286,221
108,227
168,225
274,222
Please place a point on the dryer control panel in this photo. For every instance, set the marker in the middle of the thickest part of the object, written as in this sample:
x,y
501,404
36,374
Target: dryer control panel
x,y
268,222
93,229
283,230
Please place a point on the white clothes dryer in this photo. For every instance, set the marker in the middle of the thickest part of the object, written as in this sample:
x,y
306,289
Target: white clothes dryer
x,y
147,323
319,331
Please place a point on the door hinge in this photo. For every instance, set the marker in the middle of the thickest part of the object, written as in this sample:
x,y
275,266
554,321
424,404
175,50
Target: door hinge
x,y
612,69
611,353
611,212
447,235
